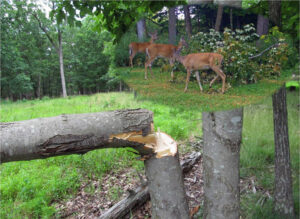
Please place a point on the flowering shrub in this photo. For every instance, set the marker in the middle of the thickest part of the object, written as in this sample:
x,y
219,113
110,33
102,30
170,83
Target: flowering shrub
x,y
237,47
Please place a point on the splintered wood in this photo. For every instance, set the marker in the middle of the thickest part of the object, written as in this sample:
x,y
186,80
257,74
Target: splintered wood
x,y
161,144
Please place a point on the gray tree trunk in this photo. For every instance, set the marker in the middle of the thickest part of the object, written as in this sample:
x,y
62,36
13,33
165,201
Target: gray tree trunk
x,y
172,25
75,134
61,64
222,133
262,25
187,18
284,203
219,17
141,29
166,188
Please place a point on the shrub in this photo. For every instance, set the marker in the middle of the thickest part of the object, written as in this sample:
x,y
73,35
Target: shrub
x,y
237,47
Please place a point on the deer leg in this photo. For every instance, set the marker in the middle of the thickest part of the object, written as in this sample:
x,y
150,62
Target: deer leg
x,y
198,80
187,79
148,63
131,56
221,74
172,72
213,80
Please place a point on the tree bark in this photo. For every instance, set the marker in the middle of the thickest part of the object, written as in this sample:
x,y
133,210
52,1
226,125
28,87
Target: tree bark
x,y
222,133
61,64
140,195
219,17
262,25
172,25
275,12
283,194
187,18
141,29
165,182
76,134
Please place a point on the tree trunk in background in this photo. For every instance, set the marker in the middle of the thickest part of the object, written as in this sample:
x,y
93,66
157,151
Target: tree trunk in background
x,y
275,12
172,25
166,188
141,29
262,25
222,132
61,64
231,19
219,17
283,194
187,18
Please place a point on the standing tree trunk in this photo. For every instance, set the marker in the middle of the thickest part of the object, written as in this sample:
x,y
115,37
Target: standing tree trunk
x,y
284,204
172,25
231,19
222,133
166,188
219,17
275,12
262,25
187,18
141,29
61,64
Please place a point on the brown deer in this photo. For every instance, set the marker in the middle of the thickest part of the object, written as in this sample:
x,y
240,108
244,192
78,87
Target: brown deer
x,y
162,50
134,47
202,61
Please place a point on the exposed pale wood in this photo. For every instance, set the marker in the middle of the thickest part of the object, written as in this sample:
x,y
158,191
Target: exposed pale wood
x,y
140,195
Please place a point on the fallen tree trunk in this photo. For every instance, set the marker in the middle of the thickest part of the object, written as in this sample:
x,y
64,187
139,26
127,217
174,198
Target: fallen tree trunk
x,y
76,134
140,195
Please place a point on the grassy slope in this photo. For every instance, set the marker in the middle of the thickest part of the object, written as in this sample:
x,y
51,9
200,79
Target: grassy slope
x,y
29,188
160,90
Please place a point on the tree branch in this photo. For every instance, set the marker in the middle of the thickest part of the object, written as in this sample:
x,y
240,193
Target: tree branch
x,y
261,53
45,31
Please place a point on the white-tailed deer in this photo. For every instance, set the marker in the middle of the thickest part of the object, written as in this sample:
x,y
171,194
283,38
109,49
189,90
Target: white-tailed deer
x,y
134,47
202,61
162,50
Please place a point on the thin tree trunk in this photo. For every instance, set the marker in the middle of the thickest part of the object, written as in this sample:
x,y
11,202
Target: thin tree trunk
x,y
231,19
61,64
284,203
39,86
262,25
187,18
219,17
172,25
222,133
141,29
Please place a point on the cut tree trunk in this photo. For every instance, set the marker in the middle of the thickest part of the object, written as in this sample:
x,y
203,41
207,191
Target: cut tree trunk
x,y
76,134
222,132
140,195
284,203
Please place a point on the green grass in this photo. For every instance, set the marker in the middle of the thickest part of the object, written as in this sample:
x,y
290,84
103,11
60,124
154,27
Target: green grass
x,y
29,189
159,90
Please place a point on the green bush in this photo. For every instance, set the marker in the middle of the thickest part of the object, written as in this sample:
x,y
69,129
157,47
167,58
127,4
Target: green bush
x,y
238,46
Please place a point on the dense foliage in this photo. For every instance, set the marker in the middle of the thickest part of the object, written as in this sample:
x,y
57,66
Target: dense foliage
x,y
239,46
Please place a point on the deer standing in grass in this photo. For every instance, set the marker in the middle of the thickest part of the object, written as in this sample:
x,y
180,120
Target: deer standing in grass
x,y
162,50
134,47
202,61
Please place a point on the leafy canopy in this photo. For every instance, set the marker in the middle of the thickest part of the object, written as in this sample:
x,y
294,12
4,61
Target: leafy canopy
x,y
114,16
